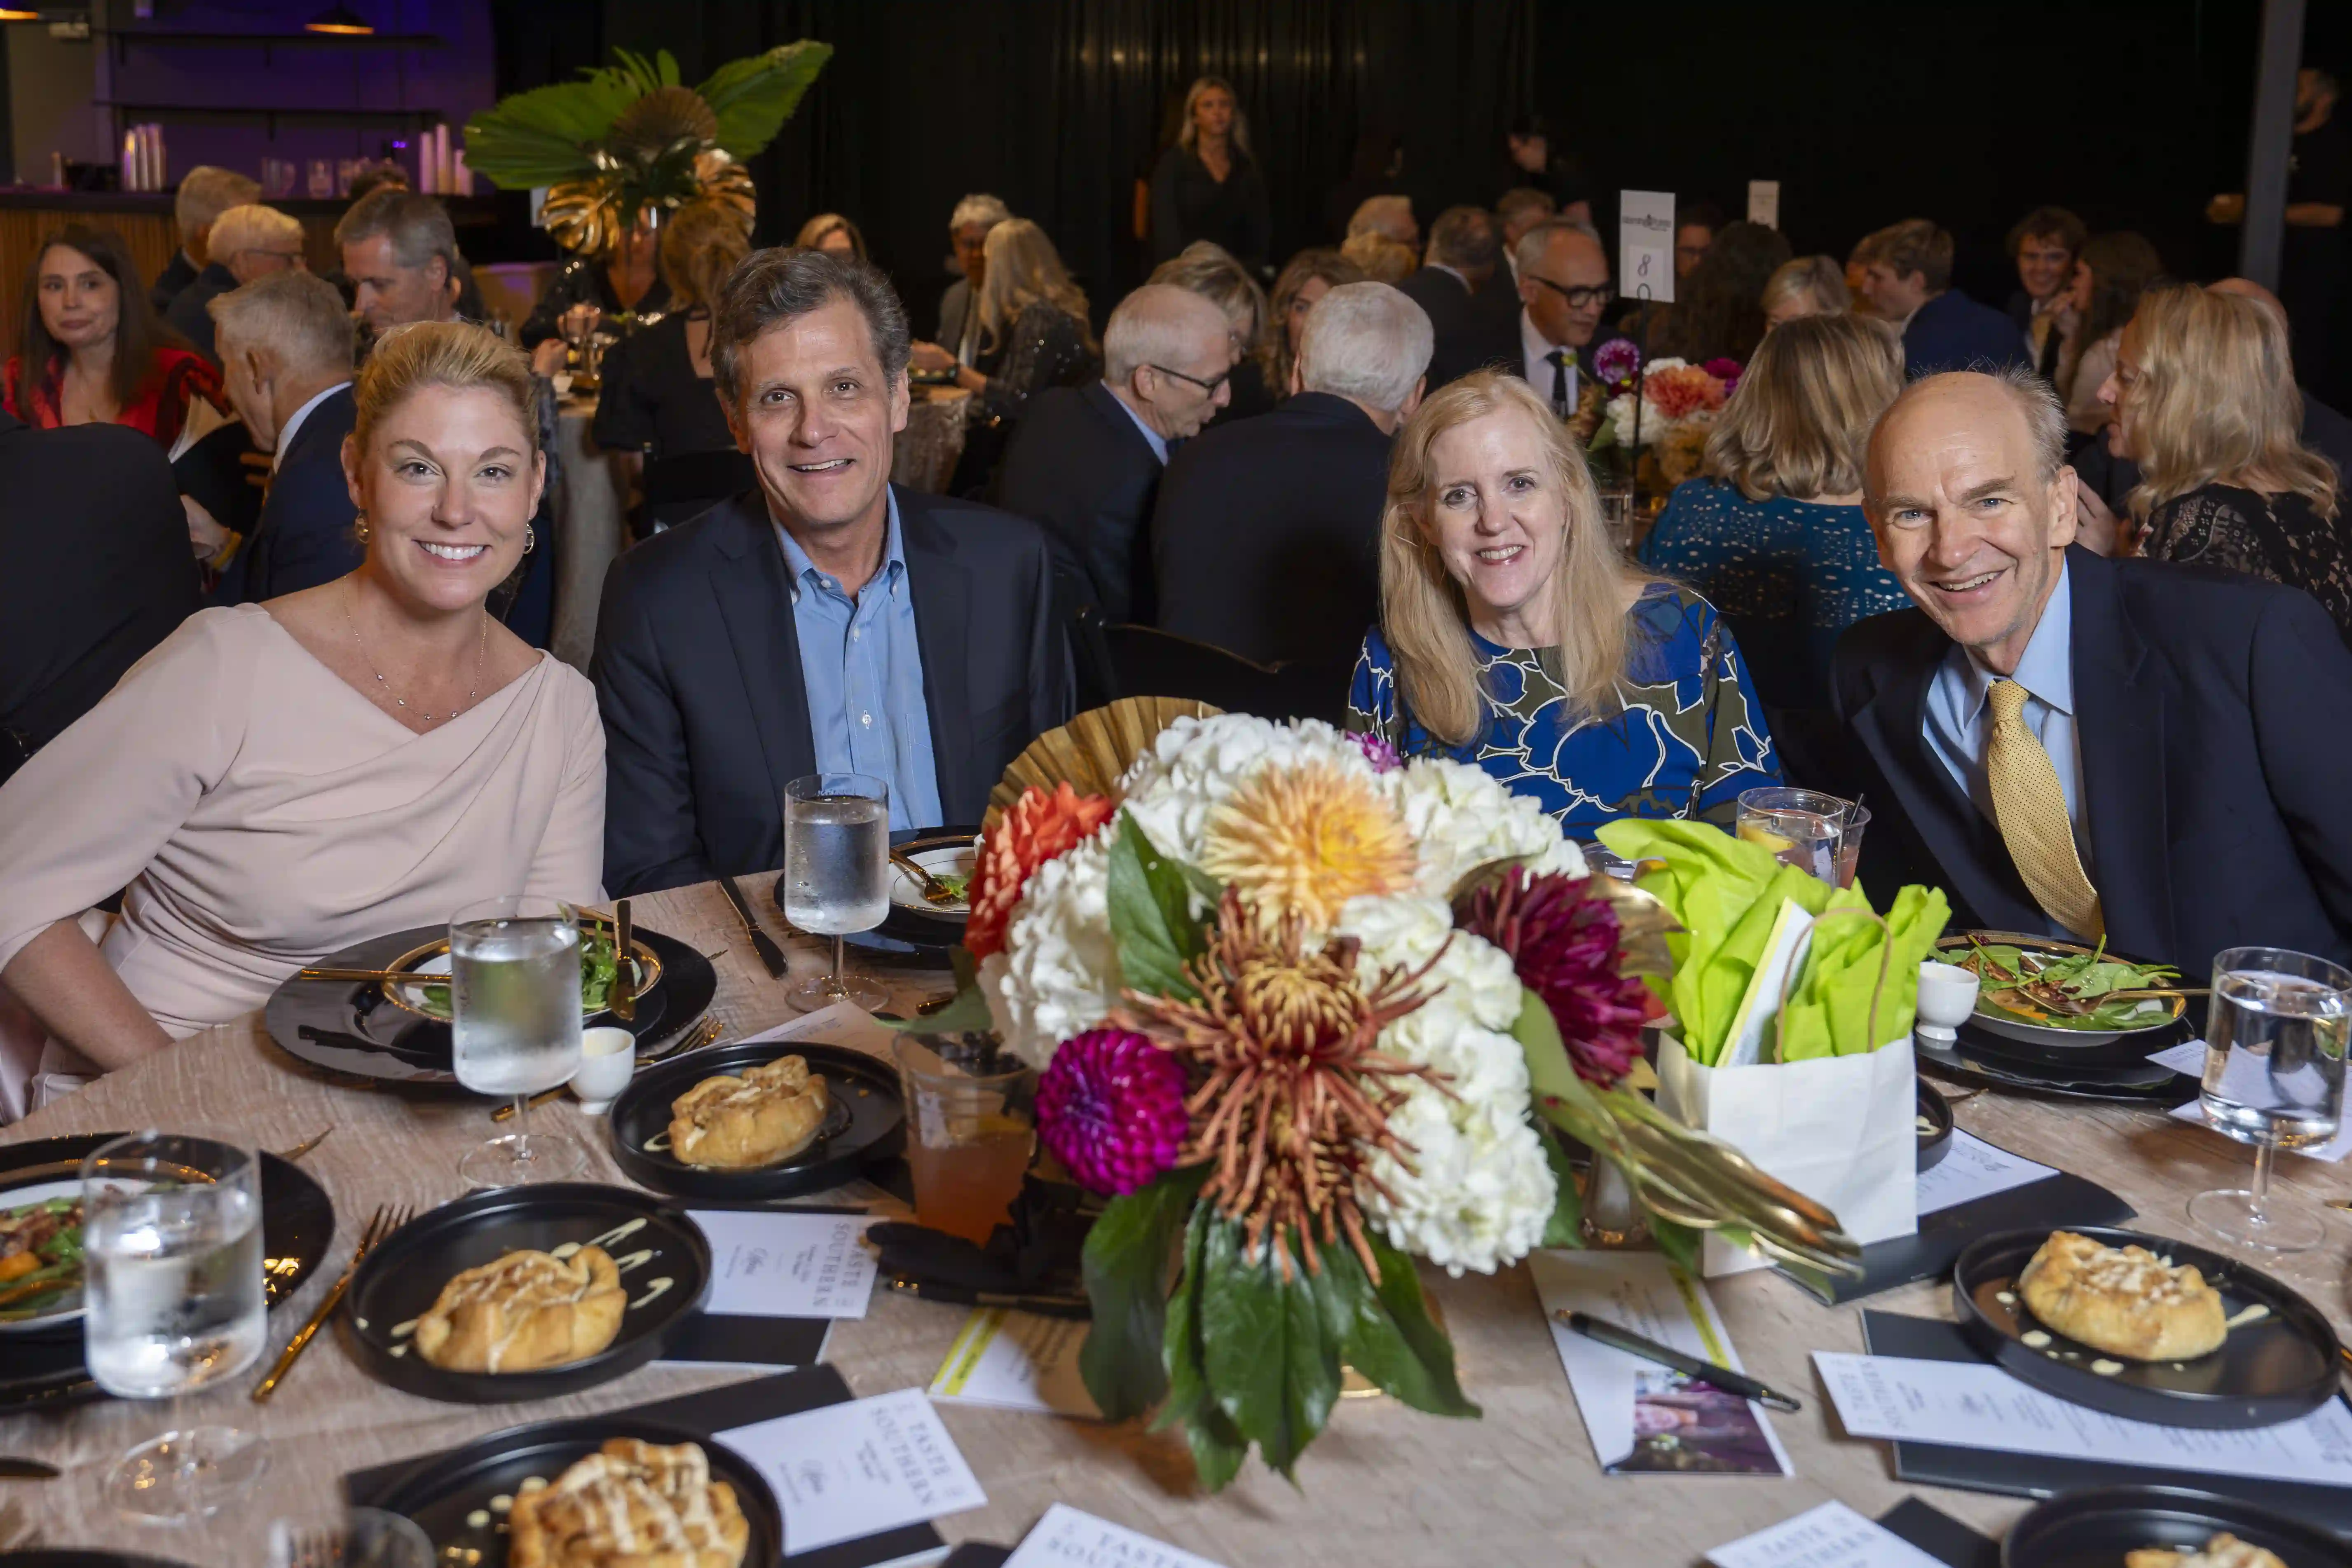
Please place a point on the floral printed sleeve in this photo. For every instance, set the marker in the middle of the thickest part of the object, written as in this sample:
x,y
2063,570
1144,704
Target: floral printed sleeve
x,y
1739,755
1371,695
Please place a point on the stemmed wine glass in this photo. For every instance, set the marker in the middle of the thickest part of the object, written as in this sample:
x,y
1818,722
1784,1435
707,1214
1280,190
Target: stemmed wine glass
x,y
2274,1039
514,972
174,1302
836,874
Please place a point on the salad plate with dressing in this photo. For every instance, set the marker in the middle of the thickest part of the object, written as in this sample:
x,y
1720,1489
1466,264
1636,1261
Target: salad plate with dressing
x,y
2063,997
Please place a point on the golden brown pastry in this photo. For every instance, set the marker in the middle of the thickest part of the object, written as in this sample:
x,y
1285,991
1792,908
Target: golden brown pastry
x,y
2127,1301
2224,1551
631,1505
526,1311
731,1124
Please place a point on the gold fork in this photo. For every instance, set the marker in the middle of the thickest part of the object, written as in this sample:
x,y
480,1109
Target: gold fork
x,y
387,1220
701,1035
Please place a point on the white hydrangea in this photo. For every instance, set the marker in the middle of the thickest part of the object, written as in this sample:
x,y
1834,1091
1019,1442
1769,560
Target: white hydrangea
x,y
1654,423
1461,817
1197,763
1058,973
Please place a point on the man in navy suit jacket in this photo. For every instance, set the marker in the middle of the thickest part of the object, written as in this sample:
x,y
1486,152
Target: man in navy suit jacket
x,y
1909,279
286,354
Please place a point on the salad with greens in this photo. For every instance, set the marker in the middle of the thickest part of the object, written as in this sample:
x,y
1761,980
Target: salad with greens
x,y
2072,990
40,1257
599,968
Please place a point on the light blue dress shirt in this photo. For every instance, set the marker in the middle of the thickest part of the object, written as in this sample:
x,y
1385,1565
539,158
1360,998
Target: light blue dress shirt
x,y
1159,442
1958,725
863,673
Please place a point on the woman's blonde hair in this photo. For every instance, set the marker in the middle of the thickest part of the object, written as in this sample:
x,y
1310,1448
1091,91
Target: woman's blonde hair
x,y
1274,355
699,248
1188,134
1025,269
2215,401
1422,612
1799,422
455,355
812,233
1818,278
1207,269
1379,258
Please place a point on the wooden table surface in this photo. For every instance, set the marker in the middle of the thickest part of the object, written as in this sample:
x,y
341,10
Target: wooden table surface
x,y
1383,1484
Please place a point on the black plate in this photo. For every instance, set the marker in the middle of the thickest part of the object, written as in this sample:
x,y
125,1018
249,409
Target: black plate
x,y
903,933
2148,1084
1934,1145
2018,1038
2269,1371
402,1278
440,1493
2096,1528
864,1086
351,1028
297,1223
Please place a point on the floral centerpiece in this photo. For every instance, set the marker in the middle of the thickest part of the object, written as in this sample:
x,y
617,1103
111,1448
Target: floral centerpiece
x,y
1307,1012
1670,419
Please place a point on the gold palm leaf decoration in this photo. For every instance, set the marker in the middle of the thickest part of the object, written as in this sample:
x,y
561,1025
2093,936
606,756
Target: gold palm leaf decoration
x,y
1092,752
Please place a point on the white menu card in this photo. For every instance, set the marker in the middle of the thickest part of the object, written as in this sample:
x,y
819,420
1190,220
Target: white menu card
x,y
1065,1537
843,1471
1831,1536
779,1264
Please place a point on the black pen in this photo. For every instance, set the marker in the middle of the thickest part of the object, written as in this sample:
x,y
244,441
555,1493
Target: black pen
x,y
1722,1377
960,1296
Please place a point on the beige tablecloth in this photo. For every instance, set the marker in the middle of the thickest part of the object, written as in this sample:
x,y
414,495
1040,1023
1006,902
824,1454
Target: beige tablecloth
x,y
1382,1485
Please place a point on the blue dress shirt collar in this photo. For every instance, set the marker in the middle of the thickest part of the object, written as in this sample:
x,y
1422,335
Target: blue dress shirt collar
x,y
1159,442
2046,668
803,569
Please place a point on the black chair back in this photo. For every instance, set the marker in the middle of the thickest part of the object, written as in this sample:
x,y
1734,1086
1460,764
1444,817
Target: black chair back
x,y
1147,662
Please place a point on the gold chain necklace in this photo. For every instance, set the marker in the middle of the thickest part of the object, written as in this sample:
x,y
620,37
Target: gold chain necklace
x,y
481,652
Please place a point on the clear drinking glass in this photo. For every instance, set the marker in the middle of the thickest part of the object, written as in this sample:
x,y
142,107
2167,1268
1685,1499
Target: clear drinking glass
x,y
836,874
172,1279
514,970
1849,849
358,1538
2274,1038
970,1130
1803,828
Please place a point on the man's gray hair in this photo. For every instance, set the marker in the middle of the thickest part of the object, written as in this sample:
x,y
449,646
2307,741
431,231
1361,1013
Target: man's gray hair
x,y
2036,402
417,226
249,226
297,316
782,282
1157,324
981,208
1367,341
1537,240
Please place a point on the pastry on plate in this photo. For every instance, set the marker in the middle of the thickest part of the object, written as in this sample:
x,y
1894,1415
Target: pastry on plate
x,y
2224,1551
2127,1301
730,1123
526,1311
634,1504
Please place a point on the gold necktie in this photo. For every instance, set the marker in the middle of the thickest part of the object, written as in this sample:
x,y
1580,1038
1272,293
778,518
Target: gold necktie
x,y
2030,810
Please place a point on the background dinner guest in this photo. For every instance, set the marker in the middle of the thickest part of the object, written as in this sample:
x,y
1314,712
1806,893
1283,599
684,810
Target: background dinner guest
x,y
1774,536
80,604
1225,283
276,782
1564,290
399,252
2178,709
2114,271
1808,286
1086,461
89,351
2324,431
2204,401
286,347
1308,276
245,243
660,408
2045,244
1857,276
1513,635
1207,185
625,278
1390,217
1380,259
828,620
2318,195
1718,310
831,231
1530,160
206,192
968,230
1908,281
1519,210
1696,224
1474,319
1266,537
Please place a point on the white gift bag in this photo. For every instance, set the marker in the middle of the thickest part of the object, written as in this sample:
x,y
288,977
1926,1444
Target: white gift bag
x,y
1841,1130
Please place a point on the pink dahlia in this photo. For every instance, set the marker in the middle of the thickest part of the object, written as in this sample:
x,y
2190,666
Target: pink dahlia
x,y
1563,941
1726,370
1378,752
1615,362
1110,1107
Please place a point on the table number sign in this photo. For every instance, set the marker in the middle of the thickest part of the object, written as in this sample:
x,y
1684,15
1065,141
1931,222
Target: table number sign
x,y
1764,202
1645,244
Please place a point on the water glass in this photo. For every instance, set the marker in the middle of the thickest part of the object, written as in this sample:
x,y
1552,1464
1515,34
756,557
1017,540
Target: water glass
x,y
514,972
172,1284
2274,1039
1803,828
836,874
970,1130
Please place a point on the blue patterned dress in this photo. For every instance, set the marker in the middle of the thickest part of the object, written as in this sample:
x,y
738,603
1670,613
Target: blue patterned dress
x,y
1789,576
1690,734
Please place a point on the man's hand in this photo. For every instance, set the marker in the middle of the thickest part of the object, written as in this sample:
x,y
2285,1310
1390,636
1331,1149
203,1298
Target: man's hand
x,y
2228,208
207,538
930,357
550,356
2099,529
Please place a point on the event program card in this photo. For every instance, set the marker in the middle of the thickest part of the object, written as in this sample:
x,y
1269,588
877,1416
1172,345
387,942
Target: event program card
x,y
842,1471
1017,1361
1642,1418
779,1264
1831,1536
1066,1538
842,1024
1970,1405
1971,1169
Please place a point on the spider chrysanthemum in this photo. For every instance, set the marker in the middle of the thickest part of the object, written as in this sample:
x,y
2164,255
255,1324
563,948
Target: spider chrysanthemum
x,y
1307,839
1291,1101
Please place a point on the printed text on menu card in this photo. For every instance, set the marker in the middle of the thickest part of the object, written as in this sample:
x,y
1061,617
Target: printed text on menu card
x,y
770,1264
843,1471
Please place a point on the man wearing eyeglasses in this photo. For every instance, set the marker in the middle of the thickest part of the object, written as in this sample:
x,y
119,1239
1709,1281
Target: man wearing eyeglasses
x,y
245,243
1564,292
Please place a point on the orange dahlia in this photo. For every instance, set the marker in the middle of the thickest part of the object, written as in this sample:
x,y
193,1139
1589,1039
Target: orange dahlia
x,y
1038,827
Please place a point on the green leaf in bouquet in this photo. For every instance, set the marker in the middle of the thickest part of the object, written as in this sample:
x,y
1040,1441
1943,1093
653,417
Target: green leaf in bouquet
x,y
1152,918
1126,1263
1395,1343
1218,1448
1680,1243
1272,1367
1566,1226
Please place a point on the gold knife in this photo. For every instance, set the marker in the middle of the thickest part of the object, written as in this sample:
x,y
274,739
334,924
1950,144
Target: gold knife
x,y
625,967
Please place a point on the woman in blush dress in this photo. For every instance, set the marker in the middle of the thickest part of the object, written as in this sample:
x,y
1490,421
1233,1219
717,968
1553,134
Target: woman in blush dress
x,y
278,781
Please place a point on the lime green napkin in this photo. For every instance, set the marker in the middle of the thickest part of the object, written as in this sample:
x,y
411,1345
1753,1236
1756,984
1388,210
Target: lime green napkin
x,y
1829,1010
1709,882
